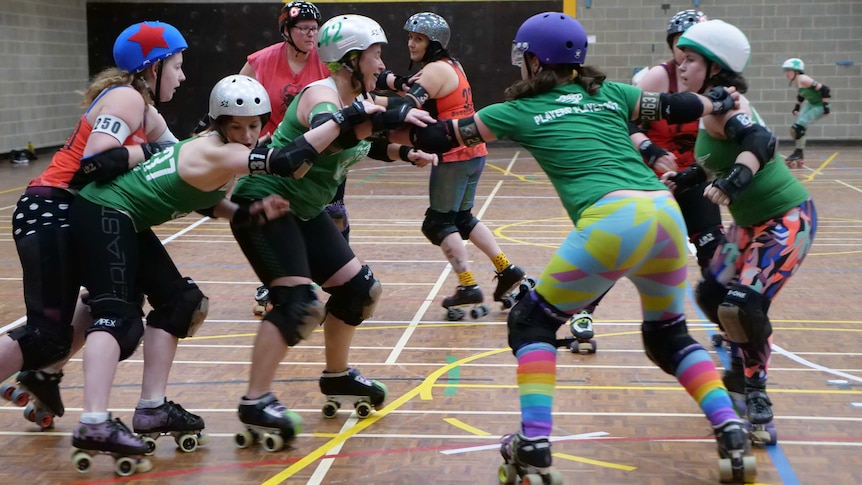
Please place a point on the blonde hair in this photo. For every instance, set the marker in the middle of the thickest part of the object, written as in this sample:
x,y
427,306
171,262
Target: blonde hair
x,y
114,76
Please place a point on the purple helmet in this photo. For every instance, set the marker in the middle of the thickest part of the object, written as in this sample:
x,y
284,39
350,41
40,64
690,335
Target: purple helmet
x,y
553,37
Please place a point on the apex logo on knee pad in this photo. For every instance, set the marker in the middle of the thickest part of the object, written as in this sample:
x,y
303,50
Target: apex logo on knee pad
x,y
105,322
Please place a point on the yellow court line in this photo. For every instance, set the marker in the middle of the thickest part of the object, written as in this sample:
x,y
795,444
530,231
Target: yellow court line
x,y
466,427
13,189
423,389
820,168
589,461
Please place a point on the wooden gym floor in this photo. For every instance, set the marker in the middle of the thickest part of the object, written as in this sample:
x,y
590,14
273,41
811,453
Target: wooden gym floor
x,y
451,385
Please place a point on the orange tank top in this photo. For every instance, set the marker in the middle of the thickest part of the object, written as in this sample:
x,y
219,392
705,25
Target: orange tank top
x,y
458,104
64,171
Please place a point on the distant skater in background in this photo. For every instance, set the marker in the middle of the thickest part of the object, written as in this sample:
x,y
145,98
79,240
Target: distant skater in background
x,y
812,104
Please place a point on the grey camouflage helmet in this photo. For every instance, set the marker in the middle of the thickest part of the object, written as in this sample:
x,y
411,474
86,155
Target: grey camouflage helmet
x,y
431,25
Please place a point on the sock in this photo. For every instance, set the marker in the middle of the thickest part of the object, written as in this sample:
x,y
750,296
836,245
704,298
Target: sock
x,y
501,262
698,376
51,370
151,403
94,418
537,380
249,401
466,278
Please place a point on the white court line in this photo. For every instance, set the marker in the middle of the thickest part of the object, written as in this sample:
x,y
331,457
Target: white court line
x,y
857,189
552,439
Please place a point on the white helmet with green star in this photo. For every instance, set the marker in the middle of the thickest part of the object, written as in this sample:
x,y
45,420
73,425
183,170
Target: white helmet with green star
x,y
793,64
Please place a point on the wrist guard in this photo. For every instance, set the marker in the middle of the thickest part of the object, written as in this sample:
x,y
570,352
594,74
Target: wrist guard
x,y
418,94
800,99
651,152
380,150
152,148
404,153
735,181
824,91
796,108
690,177
722,102
826,110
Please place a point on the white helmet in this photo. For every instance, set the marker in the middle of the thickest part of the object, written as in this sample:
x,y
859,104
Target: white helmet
x,y
794,64
719,42
345,33
640,74
238,95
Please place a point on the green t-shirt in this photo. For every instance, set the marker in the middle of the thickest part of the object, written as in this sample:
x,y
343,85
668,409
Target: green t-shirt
x,y
153,192
773,191
811,95
580,141
309,195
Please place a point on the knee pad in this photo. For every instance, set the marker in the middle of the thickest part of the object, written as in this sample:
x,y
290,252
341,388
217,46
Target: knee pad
x,y
42,346
296,312
706,243
119,318
354,301
465,222
797,131
709,294
180,309
743,316
667,343
438,225
532,320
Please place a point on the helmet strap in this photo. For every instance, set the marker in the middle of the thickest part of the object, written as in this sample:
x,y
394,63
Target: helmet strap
x,y
289,40
706,77
157,100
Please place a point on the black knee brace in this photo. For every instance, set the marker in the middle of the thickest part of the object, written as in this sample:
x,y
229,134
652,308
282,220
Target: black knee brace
x,y
465,222
354,301
797,131
179,309
743,316
438,225
42,346
709,294
532,320
119,318
667,343
296,312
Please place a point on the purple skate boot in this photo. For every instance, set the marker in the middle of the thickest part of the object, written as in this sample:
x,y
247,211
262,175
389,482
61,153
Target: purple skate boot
x,y
113,438
170,419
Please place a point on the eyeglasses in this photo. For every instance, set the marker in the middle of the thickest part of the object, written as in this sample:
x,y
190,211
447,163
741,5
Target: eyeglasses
x,y
306,30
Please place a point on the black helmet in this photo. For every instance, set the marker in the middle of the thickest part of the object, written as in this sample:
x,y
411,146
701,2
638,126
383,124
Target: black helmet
x,y
681,21
293,12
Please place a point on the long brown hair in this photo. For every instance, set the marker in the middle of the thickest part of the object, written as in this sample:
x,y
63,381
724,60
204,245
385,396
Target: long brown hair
x,y
554,75
114,76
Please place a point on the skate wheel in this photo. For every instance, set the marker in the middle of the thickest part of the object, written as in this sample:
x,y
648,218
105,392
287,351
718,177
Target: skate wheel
x,y
45,420
330,409
187,442
143,465
243,439
532,479
363,409
272,442
151,444
6,391
203,439
479,312
258,310
556,478
585,348
765,437
82,461
717,340
19,397
747,474
508,303
454,314
125,466
507,473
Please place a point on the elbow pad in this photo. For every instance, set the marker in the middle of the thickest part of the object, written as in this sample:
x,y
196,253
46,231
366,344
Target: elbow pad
x,y
735,181
419,95
800,99
106,165
824,91
674,108
380,150
436,138
292,160
751,137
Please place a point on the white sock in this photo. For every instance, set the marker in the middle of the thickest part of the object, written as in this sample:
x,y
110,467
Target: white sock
x,y
151,403
94,418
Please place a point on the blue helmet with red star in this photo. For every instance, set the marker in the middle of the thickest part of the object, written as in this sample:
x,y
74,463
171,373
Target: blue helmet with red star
x,y
145,43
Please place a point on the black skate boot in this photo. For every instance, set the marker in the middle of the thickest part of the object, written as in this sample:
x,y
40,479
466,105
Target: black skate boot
x,y
581,326
170,419
110,437
268,422
465,296
528,459
759,412
795,159
735,464
350,385
40,392
261,300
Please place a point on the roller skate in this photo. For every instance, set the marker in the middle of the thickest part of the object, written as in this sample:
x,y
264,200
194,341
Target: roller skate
x,y
39,393
465,296
261,301
267,422
759,412
350,385
512,284
735,464
581,325
169,419
113,438
527,460
795,159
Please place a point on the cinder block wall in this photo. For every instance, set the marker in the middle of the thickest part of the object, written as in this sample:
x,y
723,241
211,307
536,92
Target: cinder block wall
x,y
44,52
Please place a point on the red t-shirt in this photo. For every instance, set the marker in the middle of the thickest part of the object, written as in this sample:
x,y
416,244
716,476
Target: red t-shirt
x,y
677,139
272,70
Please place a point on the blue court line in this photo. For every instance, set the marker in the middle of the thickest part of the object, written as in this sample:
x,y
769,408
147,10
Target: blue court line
x,y
776,454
